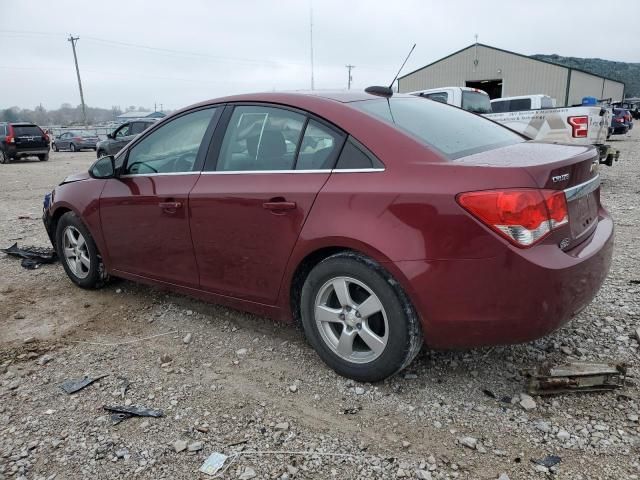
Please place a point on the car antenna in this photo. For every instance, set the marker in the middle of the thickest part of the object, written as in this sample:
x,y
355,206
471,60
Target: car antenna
x,y
388,91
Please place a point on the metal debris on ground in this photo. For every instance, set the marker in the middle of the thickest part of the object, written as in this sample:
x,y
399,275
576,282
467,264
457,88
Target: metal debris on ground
x,y
124,385
214,463
548,461
73,386
32,257
122,412
577,377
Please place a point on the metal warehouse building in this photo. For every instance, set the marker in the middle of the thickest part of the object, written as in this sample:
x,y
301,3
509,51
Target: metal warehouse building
x,y
501,73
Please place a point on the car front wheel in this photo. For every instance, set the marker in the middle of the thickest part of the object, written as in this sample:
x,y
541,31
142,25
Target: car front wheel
x,y
357,318
78,252
55,148
72,147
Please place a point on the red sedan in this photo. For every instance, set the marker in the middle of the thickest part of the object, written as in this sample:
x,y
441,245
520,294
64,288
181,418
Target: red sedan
x,y
379,223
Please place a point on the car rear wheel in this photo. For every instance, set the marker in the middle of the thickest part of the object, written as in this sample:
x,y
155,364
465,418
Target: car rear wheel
x,y
359,324
78,252
44,158
3,157
101,153
72,147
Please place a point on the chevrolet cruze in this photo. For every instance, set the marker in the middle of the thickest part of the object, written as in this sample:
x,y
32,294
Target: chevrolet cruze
x,y
380,222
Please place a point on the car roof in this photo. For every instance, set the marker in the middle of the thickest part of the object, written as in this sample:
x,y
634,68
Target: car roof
x,y
23,124
295,97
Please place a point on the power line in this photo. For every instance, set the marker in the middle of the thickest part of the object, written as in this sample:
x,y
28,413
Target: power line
x,y
73,41
350,79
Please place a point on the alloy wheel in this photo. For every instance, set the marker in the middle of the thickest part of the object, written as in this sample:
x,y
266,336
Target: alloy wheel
x,y
76,253
351,320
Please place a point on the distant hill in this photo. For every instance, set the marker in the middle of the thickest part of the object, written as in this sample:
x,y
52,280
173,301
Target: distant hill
x,y
629,73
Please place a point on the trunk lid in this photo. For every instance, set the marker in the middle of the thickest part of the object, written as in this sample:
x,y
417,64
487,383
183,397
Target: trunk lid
x,y
29,137
572,169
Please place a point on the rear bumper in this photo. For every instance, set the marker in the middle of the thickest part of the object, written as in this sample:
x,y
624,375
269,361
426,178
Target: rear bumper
x,y
515,297
14,152
619,129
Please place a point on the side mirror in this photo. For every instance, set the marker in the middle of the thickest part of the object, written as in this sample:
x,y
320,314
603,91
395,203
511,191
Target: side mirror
x,y
103,168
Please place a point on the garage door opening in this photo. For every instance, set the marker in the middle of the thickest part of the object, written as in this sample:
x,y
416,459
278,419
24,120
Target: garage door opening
x,y
492,87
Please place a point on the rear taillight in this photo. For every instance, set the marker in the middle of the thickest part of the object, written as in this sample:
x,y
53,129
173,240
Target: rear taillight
x,y
523,216
45,137
11,137
619,120
579,126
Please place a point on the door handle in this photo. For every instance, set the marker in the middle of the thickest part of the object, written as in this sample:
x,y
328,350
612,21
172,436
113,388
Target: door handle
x,y
170,205
281,205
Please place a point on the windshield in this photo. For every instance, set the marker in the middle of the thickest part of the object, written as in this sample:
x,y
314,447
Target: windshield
x,y
452,131
476,102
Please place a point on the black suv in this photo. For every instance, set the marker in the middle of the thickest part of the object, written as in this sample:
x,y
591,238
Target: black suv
x,y
22,139
121,136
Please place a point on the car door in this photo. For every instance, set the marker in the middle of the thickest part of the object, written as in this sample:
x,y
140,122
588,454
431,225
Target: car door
x,y
63,141
249,205
144,211
121,137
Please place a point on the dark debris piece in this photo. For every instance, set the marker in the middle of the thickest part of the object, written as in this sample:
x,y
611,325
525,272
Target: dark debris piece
x,y
121,412
32,257
548,461
73,386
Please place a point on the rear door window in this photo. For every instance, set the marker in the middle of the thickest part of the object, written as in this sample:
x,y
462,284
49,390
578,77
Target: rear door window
x,y
261,138
137,127
319,147
518,104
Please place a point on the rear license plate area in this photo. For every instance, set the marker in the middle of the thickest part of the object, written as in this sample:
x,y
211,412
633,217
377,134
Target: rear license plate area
x,y
583,214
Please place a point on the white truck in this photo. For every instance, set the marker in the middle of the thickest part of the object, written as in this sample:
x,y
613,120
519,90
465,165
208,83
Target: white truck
x,y
537,117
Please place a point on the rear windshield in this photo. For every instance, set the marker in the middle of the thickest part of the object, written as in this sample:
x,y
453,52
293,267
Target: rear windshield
x,y
450,130
476,102
26,130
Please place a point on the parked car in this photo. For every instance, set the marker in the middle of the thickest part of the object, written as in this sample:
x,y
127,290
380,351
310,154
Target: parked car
x,y
20,140
470,99
522,102
394,222
121,136
621,122
75,141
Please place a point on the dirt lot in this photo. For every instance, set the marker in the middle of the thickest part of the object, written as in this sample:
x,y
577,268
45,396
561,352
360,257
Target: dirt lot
x,y
246,384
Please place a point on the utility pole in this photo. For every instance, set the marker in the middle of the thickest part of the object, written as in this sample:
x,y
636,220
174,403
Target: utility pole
x,y
161,109
73,41
311,39
349,68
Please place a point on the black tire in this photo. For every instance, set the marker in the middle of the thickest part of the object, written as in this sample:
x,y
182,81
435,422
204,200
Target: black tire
x,y
96,276
101,153
72,147
4,158
55,148
44,158
404,338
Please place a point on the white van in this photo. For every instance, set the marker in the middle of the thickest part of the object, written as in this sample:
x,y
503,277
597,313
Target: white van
x,y
471,99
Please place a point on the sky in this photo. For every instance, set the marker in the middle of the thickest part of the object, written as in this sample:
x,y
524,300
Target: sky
x,y
176,53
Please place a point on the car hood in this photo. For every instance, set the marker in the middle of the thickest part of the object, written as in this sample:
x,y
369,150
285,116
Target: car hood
x,y
76,177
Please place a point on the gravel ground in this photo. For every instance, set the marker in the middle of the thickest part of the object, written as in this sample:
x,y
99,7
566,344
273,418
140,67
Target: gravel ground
x,y
235,383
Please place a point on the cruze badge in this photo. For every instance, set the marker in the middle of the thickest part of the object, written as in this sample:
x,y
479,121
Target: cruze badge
x,y
560,178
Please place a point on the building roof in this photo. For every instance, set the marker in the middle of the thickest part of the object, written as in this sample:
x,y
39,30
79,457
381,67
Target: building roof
x,y
136,114
511,53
